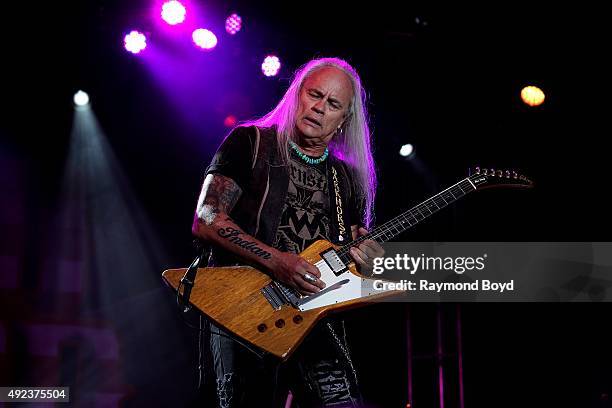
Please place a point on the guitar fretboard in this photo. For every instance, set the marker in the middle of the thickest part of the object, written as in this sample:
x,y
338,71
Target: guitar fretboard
x,y
410,218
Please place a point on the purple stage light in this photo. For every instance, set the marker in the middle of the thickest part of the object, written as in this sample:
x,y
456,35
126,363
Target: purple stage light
x,y
233,24
135,42
271,65
204,38
173,12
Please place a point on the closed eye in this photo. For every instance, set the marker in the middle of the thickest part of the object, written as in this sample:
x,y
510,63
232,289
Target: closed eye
x,y
332,102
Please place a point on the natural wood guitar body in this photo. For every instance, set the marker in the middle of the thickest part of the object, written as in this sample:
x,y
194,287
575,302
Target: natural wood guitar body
x,y
232,298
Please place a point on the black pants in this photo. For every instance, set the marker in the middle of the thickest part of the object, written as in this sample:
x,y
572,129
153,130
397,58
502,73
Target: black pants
x,y
319,374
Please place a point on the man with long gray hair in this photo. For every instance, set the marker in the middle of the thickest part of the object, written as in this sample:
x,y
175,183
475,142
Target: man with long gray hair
x,y
301,173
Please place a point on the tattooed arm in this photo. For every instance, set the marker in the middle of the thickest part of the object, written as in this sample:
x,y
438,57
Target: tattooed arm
x,y
213,224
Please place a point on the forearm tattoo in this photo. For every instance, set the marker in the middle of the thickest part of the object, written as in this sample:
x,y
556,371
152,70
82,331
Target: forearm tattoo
x,y
220,194
232,235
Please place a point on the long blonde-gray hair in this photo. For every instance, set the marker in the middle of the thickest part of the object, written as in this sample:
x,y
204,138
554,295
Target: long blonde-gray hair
x,y
352,144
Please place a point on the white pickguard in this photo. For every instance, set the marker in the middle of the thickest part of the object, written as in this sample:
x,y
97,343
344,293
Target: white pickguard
x,y
348,287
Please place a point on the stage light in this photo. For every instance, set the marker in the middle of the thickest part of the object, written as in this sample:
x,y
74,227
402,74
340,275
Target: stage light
x,y
230,121
406,150
233,24
135,42
204,38
81,98
532,95
270,66
173,12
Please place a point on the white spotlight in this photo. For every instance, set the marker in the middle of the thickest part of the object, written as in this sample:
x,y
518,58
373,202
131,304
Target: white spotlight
x,y
406,150
81,98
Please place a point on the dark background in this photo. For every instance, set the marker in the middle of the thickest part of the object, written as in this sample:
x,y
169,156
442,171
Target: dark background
x,y
446,79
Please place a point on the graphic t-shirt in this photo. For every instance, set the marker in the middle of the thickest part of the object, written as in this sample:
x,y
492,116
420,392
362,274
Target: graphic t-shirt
x,y
305,213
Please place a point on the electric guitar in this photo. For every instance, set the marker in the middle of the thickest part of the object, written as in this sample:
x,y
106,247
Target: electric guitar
x,y
275,317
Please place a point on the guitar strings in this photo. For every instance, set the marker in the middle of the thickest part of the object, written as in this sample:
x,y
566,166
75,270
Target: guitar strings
x,y
459,189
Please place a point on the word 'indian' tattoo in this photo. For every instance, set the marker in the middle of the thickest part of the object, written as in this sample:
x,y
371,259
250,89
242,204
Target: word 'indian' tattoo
x,y
232,234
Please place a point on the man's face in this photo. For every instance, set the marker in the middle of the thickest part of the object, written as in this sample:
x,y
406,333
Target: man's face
x,y
324,102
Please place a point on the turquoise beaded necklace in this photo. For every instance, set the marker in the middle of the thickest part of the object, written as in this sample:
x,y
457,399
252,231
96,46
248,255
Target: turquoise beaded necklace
x,y
307,159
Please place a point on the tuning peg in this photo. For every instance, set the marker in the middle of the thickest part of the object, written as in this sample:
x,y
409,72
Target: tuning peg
x,y
500,173
507,174
514,174
485,171
492,172
477,169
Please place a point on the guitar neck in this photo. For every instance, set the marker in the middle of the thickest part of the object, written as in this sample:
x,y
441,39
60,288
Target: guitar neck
x,y
410,218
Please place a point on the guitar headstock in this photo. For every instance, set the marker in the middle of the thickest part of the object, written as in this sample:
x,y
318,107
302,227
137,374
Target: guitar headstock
x,y
489,178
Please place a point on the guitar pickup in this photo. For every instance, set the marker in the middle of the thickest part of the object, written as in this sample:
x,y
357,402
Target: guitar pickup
x,y
334,262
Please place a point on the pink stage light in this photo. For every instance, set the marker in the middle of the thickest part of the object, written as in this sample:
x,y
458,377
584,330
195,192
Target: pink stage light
x,y
173,12
271,65
135,42
204,38
233,24
230,121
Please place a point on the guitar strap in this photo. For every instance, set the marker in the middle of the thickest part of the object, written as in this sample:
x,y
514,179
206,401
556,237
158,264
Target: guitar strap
x,y
340,226
188,280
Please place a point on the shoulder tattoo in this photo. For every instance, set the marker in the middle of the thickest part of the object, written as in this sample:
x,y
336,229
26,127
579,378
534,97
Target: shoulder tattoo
x,y
219,194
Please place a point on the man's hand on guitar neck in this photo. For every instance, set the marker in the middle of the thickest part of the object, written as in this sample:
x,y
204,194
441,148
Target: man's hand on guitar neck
x,y
365,252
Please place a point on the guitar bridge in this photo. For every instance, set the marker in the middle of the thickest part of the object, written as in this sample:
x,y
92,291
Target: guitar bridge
x,y
278,295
